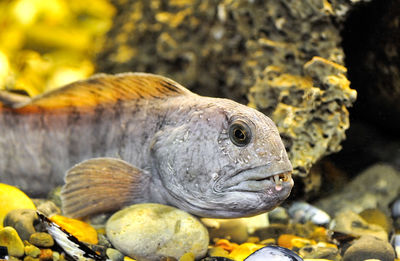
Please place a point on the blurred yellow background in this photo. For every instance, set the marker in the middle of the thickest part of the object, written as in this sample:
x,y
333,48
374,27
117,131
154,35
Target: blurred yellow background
x,y
45,44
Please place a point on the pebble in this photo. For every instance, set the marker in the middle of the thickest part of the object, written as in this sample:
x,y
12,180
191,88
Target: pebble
x,y
187,257
46,254
31,250
81,230
9,238
135,231
114,254
369,247
303,212
12,198
23,221
41,239
349,222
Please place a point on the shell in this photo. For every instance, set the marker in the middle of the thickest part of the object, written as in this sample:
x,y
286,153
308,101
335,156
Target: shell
x,y
303,212
273,253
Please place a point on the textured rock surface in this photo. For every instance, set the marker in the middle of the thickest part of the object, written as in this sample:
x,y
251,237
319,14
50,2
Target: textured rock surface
x,y
375,187
153,231
260,51
369,247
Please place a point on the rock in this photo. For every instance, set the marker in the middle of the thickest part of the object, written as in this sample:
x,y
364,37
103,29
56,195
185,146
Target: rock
x,y
29,258
12,198
349,222
81,230
152,231
41,239
9,238
369,247
23,221
382,182
114,254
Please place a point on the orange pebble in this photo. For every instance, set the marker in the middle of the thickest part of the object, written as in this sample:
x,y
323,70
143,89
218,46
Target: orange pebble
x,y
285,240
290,241
81,230
226,244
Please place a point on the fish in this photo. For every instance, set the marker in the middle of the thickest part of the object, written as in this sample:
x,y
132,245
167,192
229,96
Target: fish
x,y
117,140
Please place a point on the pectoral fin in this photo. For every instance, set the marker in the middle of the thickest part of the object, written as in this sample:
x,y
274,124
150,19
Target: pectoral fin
x,y
101,185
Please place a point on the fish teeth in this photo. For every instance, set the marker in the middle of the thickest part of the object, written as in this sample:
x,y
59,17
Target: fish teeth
x,y
279,178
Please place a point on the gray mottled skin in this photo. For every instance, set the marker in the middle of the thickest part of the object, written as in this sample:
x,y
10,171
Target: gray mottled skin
x,y
181,142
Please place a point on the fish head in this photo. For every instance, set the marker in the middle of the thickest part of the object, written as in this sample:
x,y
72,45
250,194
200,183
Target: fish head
x,y
222,159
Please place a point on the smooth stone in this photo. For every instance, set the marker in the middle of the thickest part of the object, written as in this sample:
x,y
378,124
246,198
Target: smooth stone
x,y
114,254
153,231
369,247
23,221
12,198
10,239
29,258
349,222
41,239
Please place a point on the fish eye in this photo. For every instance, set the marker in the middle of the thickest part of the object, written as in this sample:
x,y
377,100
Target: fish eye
x,y
240,133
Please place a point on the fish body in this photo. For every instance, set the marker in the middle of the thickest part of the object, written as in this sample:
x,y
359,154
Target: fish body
x,y
138,137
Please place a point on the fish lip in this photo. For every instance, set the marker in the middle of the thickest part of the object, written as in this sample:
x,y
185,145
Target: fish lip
x,y
259,182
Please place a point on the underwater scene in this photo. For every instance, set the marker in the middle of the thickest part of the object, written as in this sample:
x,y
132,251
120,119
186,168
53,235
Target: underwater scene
x,y
212,130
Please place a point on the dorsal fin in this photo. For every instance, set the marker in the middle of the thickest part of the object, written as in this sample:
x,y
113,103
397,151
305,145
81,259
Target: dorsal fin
x,y
106,89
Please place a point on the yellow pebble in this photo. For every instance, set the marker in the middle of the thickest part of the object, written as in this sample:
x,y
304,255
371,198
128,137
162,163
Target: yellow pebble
x,y
218,251
127,258
187,257
81,230
244,250
12,198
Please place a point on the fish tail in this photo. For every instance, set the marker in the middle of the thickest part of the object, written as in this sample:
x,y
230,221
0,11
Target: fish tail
x,y
102,185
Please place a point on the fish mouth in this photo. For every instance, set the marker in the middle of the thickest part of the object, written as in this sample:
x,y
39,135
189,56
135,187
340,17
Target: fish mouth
x,y
255,180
